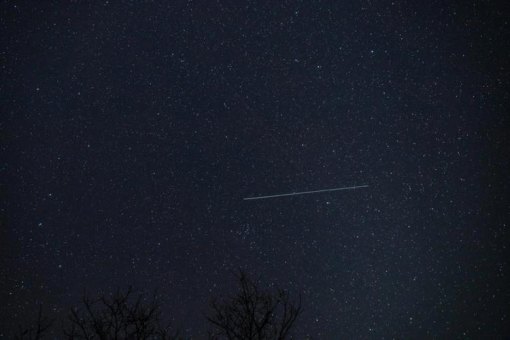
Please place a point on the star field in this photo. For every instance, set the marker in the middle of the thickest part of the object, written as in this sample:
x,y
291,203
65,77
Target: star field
x,y
131,131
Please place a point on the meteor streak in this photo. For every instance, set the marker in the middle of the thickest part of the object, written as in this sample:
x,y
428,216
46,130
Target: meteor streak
x,y
305,192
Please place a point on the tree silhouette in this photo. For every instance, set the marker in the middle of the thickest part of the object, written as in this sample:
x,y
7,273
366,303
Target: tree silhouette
x,y
36,332
117,317
253,314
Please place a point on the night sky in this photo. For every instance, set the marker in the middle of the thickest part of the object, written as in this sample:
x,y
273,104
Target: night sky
x,y
131,131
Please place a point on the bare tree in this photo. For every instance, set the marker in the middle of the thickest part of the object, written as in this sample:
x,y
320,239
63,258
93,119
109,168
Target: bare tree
x,y
118,317
253,314
36,332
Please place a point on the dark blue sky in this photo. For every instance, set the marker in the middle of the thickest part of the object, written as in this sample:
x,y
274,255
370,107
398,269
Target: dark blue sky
x,y
131,131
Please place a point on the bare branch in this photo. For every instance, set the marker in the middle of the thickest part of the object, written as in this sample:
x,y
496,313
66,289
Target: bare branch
x,y
253,314
36,332
118,317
